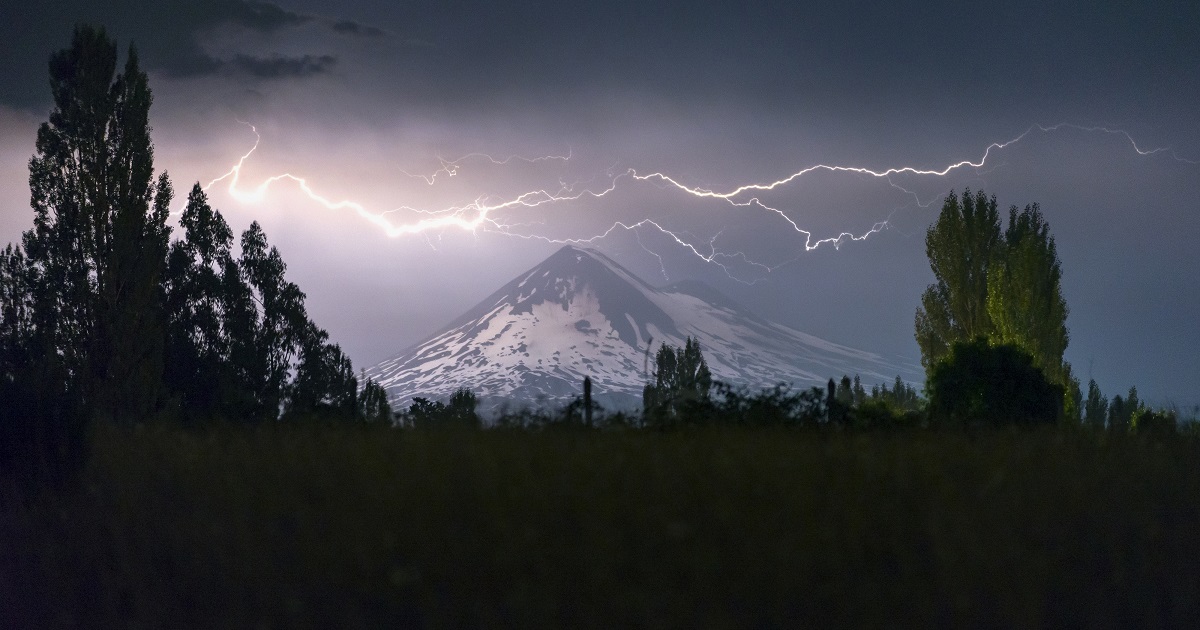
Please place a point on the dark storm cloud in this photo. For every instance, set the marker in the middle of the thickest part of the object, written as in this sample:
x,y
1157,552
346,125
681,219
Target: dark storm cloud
x,y
283,67
170,37
262,16
347,27
273,67
840,57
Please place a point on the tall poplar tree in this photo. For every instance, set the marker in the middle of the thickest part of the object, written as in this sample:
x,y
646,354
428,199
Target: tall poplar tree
x,y
961,246
98,244
1024,299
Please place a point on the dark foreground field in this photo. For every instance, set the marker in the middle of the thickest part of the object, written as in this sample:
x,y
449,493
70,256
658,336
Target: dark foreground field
x,y
312,527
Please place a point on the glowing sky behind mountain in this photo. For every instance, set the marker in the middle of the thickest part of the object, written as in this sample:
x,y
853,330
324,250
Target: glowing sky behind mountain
x,y
362,98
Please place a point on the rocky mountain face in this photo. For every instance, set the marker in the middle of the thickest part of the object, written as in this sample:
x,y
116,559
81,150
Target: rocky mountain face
x,y
579,313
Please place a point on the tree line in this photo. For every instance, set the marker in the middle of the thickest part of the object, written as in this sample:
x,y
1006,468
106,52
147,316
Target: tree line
x,y
104,318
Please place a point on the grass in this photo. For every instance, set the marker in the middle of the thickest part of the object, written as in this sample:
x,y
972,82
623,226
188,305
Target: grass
x,y
337,527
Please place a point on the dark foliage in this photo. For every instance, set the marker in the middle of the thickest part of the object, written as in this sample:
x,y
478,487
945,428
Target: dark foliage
x,y
80,303
983,384
459,412
103,319
780,406
879,414
1095,409
681,388
1121,411
373,406
901,396
344,526
1151,422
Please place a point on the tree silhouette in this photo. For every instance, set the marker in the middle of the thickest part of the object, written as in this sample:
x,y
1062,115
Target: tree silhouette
x,y
682,384
240,342
373,405
81,316
993,385
1095,411
459,412
99,239
199,368
1122,410
324,384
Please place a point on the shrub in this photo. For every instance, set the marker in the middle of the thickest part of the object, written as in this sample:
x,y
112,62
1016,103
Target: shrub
x,y
993,385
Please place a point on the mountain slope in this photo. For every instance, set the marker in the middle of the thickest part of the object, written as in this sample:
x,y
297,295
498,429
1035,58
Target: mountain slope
x,y
579,313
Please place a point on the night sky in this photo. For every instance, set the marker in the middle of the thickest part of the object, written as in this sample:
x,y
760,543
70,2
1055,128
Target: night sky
x,y
365,99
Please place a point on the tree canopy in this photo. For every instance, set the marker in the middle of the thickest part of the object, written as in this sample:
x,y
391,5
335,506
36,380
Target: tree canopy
x,y
991,384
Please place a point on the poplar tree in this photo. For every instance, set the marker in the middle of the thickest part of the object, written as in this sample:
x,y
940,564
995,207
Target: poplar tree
x,y
682,382
961,246
1095,412
1024,298
98,244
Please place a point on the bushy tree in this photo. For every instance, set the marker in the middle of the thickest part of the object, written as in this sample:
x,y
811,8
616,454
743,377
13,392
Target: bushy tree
x,y
324,384
102,318
837,402
1152,422
240,343
461,408
202,284
991,385
277,327
859,392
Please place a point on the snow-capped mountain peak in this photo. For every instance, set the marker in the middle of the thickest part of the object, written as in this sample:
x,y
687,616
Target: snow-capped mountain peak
x,y
579,313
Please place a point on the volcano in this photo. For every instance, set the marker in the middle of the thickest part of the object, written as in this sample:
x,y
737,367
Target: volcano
x,y
579,313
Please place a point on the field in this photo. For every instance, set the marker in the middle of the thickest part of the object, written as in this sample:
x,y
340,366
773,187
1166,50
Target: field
x,y
356,527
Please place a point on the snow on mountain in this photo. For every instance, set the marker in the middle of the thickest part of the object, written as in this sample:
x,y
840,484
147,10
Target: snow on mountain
x,y
579,313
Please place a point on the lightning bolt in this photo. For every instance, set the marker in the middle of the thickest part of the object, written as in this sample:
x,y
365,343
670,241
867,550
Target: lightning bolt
x,y
481,214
